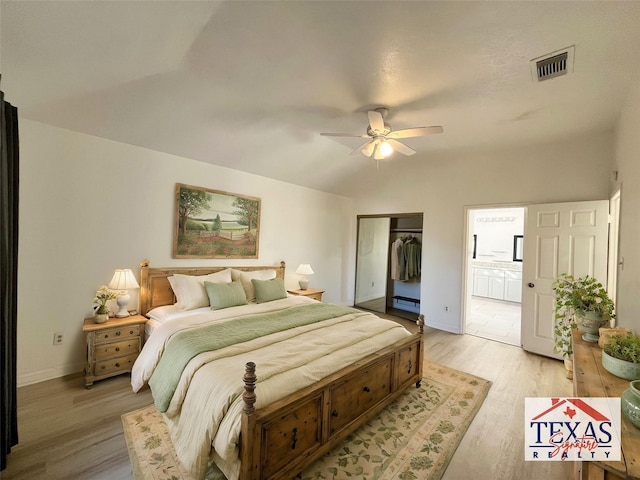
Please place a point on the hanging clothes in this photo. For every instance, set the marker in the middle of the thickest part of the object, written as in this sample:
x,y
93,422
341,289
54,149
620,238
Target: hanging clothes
x,y
406,258
413,257
397,260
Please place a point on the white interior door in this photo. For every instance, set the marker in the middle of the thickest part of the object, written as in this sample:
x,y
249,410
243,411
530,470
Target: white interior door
x,y
559,238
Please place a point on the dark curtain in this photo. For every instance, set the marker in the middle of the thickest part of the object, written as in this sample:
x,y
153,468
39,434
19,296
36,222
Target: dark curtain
x,y
8,276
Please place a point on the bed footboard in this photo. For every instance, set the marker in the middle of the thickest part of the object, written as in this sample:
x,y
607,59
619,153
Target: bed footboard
x,y
280,440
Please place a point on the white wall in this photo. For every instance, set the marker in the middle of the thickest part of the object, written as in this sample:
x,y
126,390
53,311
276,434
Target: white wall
x,y
81,217
495,229
577,169
89,206
627,146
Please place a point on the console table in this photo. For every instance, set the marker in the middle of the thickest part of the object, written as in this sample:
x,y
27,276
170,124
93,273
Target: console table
x,y
590,379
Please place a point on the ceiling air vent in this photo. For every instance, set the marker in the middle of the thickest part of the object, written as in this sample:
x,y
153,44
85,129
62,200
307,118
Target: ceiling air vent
x,y
552,65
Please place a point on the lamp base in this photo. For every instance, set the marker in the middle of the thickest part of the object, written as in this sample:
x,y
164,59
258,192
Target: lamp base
x,y
304,284
123,301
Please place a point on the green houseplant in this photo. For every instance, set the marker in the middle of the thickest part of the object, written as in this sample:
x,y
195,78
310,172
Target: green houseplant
x,y
621,356
575,299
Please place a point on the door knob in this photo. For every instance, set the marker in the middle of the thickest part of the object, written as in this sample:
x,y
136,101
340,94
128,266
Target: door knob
x,y
530,285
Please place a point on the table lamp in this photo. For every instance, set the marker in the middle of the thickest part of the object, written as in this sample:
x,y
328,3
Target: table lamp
x,y
123,280
304,269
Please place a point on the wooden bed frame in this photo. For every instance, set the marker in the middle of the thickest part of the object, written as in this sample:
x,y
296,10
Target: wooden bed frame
x,y
280,440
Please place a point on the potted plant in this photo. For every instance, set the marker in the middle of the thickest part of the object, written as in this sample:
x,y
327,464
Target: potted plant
x,y
580,302
103,295
621,356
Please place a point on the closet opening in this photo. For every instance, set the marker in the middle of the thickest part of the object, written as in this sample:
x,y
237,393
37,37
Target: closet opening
x,y
389,263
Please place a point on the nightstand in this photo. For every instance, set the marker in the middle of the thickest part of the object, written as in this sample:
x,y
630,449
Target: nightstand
x,y
112,347
309,292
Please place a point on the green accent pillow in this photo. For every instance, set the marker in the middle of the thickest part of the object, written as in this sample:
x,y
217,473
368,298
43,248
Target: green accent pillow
x,y
269,290
224,295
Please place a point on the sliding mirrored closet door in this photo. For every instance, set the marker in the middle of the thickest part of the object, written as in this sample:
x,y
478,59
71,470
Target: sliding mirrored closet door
x,y
381,284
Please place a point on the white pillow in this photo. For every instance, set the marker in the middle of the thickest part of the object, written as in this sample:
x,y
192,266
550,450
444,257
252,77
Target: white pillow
x,y
246,277
190,291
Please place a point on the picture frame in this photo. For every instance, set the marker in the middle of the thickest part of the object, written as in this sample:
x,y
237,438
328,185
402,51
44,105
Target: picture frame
x,y
215,224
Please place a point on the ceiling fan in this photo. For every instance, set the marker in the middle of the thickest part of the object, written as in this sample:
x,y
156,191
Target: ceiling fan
x,y
383,139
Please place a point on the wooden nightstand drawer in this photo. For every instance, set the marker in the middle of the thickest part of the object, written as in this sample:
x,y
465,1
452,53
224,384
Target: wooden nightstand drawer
x,y
119,365
117,334
112,347
117,349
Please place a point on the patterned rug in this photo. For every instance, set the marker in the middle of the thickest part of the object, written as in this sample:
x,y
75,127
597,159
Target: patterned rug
x,y
412,438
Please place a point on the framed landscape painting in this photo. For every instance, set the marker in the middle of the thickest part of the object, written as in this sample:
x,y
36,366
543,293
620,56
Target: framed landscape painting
x,y
214,224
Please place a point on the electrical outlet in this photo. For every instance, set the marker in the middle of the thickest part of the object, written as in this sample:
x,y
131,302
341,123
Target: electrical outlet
x,y
446,308
57,338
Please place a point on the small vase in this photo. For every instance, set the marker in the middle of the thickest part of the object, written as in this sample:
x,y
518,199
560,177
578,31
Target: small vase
x,y
589,324
101,317
630,403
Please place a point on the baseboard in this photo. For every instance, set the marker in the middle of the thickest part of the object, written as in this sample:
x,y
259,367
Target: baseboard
x,y
441,326
48,374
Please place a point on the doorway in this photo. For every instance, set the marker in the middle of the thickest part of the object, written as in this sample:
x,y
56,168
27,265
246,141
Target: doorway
x,y
494,273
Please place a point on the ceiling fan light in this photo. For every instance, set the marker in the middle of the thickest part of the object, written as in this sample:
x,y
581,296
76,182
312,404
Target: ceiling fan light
x,y
386,149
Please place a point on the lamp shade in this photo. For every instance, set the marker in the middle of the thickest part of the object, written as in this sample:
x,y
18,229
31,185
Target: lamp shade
x,y
304,269
123,279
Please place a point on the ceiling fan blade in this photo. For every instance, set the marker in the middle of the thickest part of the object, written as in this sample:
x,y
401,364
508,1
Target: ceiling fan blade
x,y
366,149
375,121
400,147
344,135
415,132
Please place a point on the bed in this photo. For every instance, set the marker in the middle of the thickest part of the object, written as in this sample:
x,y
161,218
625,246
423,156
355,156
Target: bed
x,y
296,379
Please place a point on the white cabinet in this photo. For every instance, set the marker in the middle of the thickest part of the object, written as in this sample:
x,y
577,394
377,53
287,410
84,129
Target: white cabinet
x,y
513,286
496,287
488,282
480,285
497,283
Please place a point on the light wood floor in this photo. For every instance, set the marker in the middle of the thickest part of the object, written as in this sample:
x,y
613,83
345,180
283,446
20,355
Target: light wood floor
x,y
68,432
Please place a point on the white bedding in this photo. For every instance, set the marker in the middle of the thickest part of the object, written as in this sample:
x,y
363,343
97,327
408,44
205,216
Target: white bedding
x,y
205,410
163,314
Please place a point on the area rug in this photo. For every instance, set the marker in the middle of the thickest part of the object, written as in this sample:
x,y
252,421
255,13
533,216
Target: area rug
x,y
412,438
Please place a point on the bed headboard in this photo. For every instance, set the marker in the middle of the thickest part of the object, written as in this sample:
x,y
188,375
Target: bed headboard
x,y
155,290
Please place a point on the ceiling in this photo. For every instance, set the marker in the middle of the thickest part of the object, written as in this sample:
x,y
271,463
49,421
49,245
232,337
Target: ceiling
x,y
250,85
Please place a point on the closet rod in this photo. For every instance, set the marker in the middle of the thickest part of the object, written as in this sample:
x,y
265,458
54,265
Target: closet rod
x,y
407,230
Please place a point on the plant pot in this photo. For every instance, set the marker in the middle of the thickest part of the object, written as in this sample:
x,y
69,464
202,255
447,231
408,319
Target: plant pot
x,y
589,324
568,365
101,315
620,368
630,403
